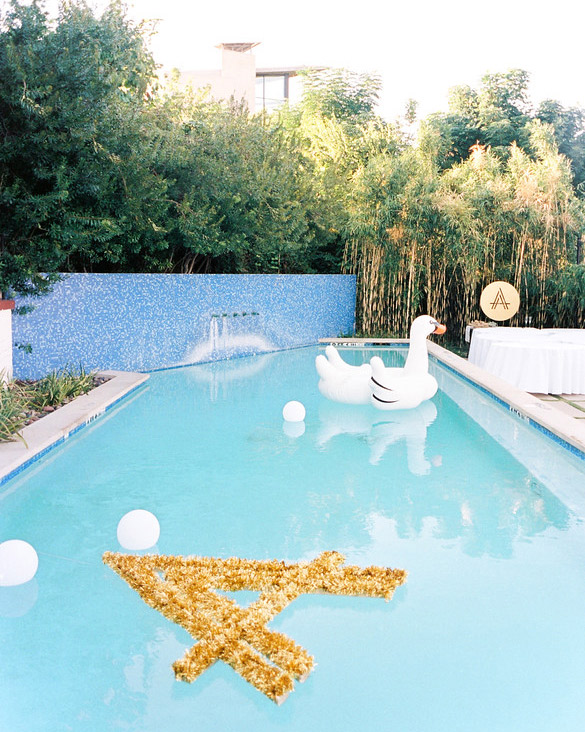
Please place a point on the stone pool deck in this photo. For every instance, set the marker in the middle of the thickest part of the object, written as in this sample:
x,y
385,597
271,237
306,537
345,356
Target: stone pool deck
x,y
562,415
571,404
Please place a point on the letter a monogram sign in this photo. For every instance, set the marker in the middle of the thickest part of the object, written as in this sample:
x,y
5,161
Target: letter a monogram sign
x,y
500,301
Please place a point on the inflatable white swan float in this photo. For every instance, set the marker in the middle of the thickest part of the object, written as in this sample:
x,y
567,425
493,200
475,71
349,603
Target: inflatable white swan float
x,y
341,382
374,383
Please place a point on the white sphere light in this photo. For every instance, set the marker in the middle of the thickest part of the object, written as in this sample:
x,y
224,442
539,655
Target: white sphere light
x,y
18,562
293,412
138,529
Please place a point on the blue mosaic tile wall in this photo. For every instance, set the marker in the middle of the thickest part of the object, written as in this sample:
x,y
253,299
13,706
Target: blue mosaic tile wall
x,y
143,322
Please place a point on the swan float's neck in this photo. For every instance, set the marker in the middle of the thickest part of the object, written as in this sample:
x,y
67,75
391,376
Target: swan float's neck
x,y
417,361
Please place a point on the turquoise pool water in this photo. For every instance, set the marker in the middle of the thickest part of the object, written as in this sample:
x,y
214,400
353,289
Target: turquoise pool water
x,y
484,513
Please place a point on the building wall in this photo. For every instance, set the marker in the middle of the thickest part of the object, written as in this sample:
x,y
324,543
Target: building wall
x,y
142,322
5,343
237,78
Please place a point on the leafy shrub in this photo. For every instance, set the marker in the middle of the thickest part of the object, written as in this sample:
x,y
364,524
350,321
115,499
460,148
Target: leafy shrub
x,y
22,402
59,387
13,406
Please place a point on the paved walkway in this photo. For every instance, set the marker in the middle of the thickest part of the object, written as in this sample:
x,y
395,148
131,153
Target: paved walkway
x,y
572,405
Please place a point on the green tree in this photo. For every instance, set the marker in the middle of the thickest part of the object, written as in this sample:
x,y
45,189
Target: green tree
x,y
28,199
338,131
426,239
241,194
74,189
496,114
569,128
341,94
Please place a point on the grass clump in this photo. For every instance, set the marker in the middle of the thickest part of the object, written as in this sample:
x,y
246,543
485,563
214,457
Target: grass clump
x,y
60,387
24,402
13,407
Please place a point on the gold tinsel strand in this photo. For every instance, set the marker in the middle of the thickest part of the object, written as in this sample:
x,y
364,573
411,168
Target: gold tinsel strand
x,y
183,590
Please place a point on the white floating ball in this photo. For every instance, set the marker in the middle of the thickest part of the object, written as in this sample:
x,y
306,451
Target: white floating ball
x,y
138,529
293,412
18,562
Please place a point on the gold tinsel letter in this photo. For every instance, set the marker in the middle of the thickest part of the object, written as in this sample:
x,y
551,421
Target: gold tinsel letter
x,y
183,590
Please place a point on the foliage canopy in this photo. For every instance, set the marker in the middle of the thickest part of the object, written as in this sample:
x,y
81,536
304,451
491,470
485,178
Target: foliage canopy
x,y
104,169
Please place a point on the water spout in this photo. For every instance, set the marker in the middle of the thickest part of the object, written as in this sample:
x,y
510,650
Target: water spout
x,y
229,335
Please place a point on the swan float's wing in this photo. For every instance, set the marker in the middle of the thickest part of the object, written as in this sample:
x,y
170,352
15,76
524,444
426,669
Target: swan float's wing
x,y
341,385
395,389
337,362
326,370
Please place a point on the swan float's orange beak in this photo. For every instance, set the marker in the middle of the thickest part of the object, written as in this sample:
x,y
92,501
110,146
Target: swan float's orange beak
x,y
440,329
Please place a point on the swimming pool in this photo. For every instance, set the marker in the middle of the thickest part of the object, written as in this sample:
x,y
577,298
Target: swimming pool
x,y
486,634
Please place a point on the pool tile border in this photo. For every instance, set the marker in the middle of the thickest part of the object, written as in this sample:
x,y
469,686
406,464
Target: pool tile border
x,y
53,429
561,428
556,432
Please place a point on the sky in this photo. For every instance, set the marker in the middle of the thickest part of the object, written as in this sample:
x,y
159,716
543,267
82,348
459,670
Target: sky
x,y
420,48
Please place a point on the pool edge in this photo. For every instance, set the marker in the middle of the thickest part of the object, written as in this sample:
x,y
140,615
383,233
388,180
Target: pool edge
x,y
53,429
561,428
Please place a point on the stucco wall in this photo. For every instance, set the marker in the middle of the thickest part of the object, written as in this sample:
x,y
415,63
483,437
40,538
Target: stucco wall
x,y
5,341
142,322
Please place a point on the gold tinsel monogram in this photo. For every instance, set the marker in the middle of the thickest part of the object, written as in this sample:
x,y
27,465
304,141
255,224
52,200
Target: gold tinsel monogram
x,y
183,590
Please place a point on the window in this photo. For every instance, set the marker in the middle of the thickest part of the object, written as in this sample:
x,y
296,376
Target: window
x,y
271,91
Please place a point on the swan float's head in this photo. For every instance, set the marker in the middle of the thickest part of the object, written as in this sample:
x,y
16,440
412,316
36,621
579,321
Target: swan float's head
x,y
424,326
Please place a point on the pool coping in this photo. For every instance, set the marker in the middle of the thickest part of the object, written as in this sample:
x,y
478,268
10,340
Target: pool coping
x,y
560,427
55,428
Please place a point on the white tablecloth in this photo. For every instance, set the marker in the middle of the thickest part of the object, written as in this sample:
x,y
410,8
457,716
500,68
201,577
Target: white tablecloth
x,y
550,361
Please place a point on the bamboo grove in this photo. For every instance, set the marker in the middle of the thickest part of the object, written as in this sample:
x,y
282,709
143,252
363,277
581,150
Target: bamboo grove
x,y
103,168
425,240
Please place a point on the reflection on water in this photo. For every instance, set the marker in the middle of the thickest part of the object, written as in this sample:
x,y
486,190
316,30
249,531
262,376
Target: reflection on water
x,y
442,491
293,429
489,521
17,601
381,431
318,483
479,500
223,375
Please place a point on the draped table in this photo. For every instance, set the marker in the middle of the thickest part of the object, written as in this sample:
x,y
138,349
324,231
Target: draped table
x,y
548,361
